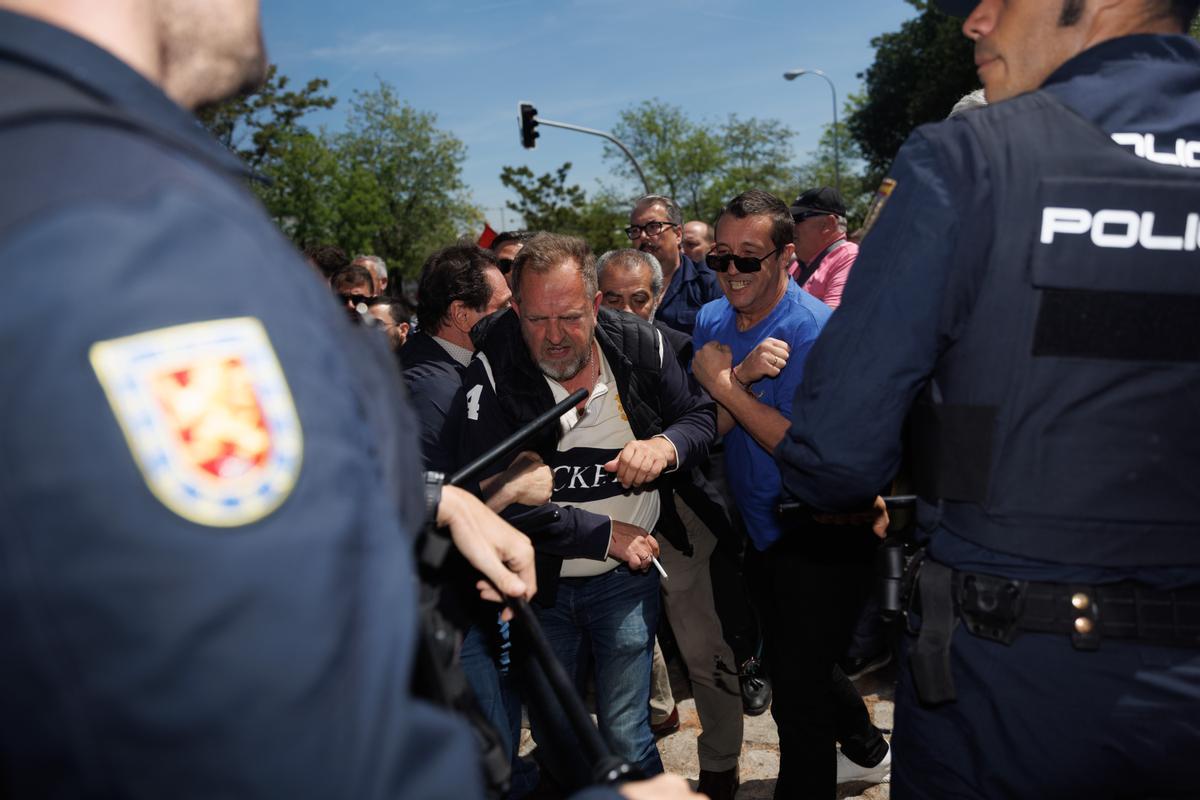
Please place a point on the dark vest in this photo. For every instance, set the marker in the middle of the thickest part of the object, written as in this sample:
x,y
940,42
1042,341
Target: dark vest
x,y
1064,424
631,346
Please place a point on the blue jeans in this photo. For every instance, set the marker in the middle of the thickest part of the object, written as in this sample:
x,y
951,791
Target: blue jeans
x,y
485,662
613,615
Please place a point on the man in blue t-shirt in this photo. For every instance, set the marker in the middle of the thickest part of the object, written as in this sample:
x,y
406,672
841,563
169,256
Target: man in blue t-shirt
x,y
808,589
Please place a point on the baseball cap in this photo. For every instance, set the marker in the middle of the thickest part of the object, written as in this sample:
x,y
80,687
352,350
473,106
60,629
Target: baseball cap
x,y
956,8
826,200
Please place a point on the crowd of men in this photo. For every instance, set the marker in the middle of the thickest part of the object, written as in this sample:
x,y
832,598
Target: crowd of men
x,y
690,345
219,496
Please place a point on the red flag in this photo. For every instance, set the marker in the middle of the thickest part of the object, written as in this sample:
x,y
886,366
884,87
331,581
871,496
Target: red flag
x,y
487,237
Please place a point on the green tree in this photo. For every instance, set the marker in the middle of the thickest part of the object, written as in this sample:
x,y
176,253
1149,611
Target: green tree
x,y
757,155
919,73
302,187
259,126
679,156
701,165
401,193
603,219
857,187
548,202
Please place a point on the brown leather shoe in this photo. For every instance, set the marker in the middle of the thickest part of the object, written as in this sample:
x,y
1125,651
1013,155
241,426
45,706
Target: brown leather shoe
x,y
719,785
667,726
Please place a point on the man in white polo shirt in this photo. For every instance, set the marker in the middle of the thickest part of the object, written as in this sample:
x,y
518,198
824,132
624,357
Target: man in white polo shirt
x,y
598,590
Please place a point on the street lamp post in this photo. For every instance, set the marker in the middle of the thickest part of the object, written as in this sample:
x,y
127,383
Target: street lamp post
x,y
791,75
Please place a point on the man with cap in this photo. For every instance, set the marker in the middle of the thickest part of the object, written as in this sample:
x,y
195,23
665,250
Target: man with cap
x,y
1030,293
823,254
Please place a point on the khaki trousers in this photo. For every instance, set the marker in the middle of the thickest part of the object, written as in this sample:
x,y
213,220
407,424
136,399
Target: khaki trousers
x,y
688,602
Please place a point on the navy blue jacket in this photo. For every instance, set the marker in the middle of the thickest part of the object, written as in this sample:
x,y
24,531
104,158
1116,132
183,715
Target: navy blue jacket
x,y
156,645
691,286
433,379
916,280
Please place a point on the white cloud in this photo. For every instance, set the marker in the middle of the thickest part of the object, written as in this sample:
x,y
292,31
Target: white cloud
x,y
392,46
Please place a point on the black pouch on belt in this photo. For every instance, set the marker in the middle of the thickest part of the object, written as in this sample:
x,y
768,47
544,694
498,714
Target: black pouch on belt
x,y
930,658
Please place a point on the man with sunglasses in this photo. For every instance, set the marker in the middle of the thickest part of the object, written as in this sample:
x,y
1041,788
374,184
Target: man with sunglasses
x,y
808,588
506,245
354,286
823,254
1023,317
656,227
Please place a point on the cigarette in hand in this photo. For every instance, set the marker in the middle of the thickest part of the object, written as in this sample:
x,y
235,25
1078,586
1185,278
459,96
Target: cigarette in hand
x,y
659,567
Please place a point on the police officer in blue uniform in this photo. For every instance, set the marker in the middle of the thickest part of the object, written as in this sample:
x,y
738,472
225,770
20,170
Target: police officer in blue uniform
x,y
1030,293
212,485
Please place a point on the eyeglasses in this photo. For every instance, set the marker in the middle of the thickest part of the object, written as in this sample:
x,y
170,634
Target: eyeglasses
x,y
719,262
505,265
652,228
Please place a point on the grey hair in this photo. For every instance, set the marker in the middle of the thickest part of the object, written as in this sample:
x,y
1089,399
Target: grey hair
x,y
375,263
674,215
630,257
969,102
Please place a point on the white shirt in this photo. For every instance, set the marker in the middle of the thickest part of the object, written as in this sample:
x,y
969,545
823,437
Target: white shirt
x,y
603,426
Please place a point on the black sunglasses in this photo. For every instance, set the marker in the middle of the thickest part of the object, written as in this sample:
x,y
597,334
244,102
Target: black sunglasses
x,y
719,262
355,299
505,265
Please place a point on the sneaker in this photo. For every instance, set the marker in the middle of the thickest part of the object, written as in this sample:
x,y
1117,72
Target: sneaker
x,y
855,668
756,688
849,772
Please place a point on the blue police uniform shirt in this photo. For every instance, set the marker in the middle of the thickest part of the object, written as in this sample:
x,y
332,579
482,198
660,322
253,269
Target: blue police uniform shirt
x,y
752,473
175,629
914,284
692,285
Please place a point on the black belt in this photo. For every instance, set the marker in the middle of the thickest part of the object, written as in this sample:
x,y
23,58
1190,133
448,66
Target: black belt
x,y
998,609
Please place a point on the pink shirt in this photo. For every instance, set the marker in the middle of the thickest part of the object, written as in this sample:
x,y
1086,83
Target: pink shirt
x,y
827,282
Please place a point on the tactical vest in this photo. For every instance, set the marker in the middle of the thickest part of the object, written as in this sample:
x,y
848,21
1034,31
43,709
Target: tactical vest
x,y
1064,424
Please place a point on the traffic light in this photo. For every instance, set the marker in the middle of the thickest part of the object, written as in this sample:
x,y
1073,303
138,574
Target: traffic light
x,y
528,121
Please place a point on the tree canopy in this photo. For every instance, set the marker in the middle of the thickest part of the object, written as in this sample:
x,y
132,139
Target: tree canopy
x,y
702,164
548,203
919,73
390,184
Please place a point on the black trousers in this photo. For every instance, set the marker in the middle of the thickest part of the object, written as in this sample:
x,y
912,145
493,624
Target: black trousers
x,y
1038,718
809,592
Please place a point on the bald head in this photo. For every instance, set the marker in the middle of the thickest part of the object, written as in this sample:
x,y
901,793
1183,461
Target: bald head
x,y
697,239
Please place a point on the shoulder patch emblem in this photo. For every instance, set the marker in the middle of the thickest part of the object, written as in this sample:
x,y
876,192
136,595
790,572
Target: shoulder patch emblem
x,y
208,416
877,203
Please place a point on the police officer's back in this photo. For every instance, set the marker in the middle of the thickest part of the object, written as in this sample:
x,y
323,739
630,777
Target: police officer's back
x,y
1030,292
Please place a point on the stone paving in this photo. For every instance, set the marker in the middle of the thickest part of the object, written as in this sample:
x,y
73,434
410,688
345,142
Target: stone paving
x,y
759,762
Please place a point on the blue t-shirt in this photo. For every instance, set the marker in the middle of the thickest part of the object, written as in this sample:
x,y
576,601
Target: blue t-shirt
x,y
751,470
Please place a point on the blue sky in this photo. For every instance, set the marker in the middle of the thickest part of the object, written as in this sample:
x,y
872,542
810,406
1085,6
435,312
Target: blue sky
x,y
579,61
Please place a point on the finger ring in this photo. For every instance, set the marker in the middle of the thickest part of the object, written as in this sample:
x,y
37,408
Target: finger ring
x,y
774,361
